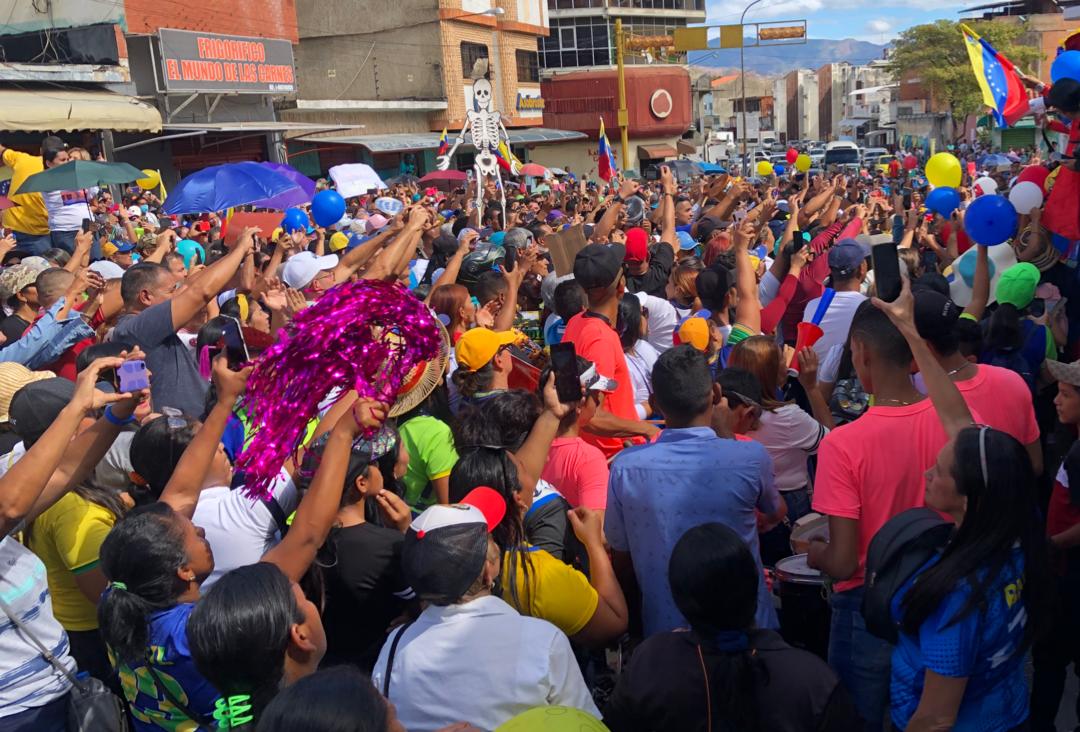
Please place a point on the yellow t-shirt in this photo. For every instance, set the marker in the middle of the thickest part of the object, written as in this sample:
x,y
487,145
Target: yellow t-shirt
x,y
67,538
29,216
557,592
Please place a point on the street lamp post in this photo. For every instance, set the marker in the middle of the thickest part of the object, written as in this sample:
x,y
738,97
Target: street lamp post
x,y
742,82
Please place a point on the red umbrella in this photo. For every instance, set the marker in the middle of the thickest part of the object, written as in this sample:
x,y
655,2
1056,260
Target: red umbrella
x,y
6,202
533,169
443,175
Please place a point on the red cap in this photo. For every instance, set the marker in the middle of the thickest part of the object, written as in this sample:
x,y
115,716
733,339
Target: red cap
x,y
637,245
490,503
202,226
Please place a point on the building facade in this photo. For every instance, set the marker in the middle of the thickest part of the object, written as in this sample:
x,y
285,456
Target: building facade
x,y
583,31
799,91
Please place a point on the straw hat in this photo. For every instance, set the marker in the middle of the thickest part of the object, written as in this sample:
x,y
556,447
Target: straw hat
x,y
422,378
14,376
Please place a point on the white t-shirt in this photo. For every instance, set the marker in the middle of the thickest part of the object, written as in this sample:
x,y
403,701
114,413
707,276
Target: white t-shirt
x,y
67,209
27,680
837,320
640,361
240,529
663,320
789,435
453,651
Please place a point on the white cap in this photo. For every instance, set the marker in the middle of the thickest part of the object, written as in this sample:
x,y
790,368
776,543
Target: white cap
x,y
301,269
108,270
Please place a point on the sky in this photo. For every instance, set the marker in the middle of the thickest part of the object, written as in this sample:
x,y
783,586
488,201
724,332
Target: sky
x,y
877,21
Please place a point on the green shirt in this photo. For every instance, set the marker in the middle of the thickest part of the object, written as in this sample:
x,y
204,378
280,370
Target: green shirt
x,y
431,456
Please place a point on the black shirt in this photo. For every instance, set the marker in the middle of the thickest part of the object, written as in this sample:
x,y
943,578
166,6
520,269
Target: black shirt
x,y
364,591
13,327
654,281
663,688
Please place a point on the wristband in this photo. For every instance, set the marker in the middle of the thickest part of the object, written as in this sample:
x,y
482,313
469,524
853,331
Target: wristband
x,y
113,419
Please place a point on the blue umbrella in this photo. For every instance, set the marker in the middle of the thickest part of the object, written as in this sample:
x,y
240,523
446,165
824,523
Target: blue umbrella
x,y
220,187
994,160
298,196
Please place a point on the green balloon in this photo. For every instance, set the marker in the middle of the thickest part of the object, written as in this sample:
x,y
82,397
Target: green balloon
x,y
553,719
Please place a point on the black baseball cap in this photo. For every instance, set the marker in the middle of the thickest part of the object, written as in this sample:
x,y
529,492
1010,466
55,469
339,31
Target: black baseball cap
x,y
597,265
36,406
935,314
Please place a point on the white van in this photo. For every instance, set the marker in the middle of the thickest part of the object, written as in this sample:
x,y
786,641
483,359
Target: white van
x,y
874,155
842,154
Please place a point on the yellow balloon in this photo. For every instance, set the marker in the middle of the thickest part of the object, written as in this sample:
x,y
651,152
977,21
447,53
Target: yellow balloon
x,y
943,170
150,182
764,168
802,163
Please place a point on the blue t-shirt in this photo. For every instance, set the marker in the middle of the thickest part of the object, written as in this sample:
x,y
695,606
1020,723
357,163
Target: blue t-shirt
x,y
688,477
151,708
980,647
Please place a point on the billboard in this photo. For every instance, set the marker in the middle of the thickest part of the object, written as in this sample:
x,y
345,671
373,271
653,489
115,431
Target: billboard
x,y
210,62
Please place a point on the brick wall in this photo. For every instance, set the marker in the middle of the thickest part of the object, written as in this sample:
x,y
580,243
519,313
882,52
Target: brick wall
x,y
233,17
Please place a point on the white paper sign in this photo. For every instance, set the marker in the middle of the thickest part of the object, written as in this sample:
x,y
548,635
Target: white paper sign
x,y
355,179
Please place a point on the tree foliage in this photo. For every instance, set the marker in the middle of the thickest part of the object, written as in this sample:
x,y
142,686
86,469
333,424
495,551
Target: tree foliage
x,y
934,53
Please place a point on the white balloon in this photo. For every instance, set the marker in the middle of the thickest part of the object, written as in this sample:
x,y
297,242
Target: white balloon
x,y
1025,197
985,186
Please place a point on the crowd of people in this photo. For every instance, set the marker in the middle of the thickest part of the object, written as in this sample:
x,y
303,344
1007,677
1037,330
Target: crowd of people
x,y
477,547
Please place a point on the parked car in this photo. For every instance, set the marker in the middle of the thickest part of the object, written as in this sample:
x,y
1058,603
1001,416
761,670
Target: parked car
x,y
874,155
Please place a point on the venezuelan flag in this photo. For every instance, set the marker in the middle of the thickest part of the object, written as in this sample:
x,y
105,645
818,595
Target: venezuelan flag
x,y
444,144
508,155
501,158
606,166
998,79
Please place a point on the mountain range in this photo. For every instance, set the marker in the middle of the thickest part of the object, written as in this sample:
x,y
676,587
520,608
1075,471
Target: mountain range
x,y
773,60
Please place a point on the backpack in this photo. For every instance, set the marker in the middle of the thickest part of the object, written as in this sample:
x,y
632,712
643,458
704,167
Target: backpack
x,y
898,550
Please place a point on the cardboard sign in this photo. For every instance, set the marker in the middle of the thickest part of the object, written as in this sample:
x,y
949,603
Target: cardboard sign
x,y
564,246
265,220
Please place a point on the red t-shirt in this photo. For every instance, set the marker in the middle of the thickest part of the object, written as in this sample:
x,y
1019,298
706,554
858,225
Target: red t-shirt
x,y
1061,513
579,471
873,468
595,340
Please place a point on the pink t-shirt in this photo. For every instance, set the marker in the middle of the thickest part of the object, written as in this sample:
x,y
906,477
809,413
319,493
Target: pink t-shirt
x,y
579,471
1003,399
874,468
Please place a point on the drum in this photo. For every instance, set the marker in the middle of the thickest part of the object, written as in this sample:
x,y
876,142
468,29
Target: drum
x,y
804,611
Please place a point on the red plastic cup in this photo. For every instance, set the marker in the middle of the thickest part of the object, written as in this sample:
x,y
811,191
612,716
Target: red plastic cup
x,y
807,334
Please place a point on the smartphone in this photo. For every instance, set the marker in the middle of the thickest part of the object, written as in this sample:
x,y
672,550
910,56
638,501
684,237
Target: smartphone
x,y
1037,308
133,376
564,364
907,199
510,260
236,351
86,225
886,271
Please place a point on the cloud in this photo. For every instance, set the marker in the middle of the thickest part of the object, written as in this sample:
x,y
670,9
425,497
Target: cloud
x,y
878,25
728,11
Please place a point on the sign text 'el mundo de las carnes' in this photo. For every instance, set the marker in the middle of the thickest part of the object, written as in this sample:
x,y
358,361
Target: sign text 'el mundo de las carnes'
x,y
209,62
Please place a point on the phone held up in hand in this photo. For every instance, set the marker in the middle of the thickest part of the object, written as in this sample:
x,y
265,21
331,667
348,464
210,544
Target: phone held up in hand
x,y
133,376
564,365
236,351
886,271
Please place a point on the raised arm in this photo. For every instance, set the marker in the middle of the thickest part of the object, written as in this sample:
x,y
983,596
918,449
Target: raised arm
x,y
22,486
951,408
316,512
667,208
980,285
359,255
212,280
748,309
385,265
182,490
603,228
534,451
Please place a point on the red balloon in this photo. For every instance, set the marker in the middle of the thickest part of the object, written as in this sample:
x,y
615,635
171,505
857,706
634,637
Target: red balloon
x,y
792,155
910,162
1036,174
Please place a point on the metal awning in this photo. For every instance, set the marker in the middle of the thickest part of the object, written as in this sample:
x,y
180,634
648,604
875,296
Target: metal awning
x,y
267,126
653,152
52,109
853,121
406,141
872,89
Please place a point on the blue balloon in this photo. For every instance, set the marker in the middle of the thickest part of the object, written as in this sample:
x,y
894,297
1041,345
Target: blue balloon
x,y
943,201
990,220
1066,66
778,169
295,220
327,208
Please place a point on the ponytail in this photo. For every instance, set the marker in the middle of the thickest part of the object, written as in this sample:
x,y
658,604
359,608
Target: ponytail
x,y
471,382
139,557
737,673
239,633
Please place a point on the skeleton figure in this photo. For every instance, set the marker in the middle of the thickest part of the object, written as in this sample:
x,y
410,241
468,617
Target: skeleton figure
x,y
487,130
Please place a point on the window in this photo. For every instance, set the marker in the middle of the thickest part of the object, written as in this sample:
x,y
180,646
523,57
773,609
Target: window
x,y
567,38
528,66
470,54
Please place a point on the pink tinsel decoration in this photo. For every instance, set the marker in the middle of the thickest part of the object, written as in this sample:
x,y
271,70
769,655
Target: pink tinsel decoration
x,y
364,335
